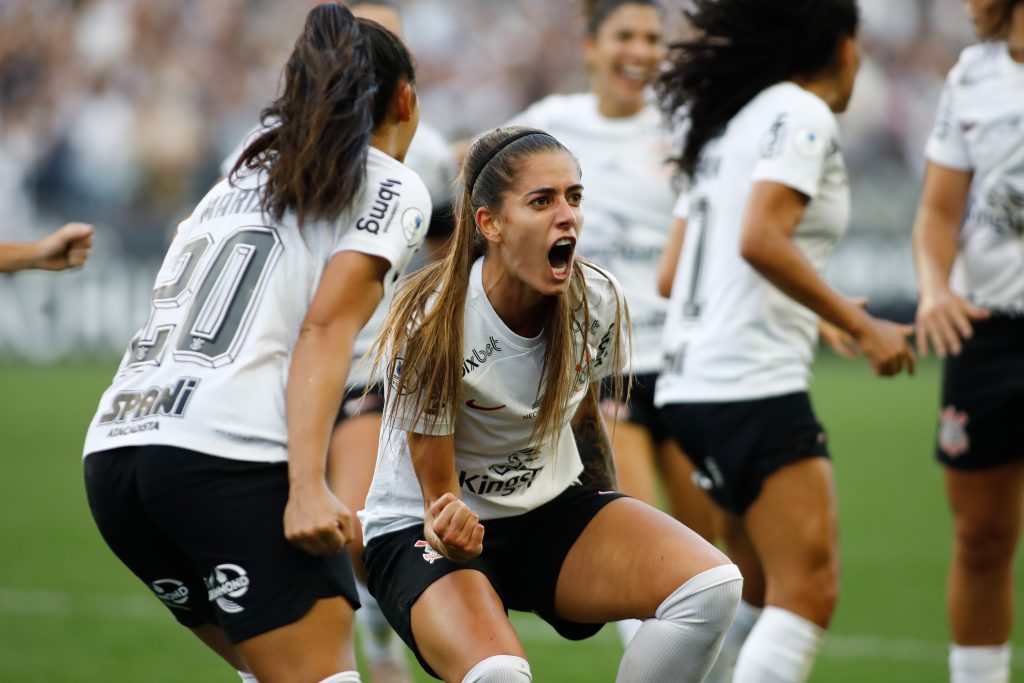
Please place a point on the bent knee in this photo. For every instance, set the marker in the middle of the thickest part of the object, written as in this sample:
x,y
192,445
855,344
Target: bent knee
x,y
980,546
710,597
812,594
500,669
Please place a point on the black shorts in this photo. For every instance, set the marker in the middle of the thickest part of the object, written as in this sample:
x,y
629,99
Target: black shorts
x,y
522,558
981,424
206,534
641,410
736,445
354,403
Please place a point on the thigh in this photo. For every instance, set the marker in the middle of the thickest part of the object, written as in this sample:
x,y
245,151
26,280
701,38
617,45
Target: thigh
x,y
350,464
634,461
459,621
227,517
687,502
138,541
627,561
793,526
311,648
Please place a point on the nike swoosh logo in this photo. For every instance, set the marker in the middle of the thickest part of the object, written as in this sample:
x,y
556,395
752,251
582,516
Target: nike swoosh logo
x,y
472,404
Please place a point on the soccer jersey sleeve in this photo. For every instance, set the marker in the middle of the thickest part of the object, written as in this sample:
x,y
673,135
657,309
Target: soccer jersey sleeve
x,y
681,209
946,145
795,145
392,218
608,329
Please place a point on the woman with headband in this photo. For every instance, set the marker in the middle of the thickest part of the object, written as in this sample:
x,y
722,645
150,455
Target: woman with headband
x,y
494,484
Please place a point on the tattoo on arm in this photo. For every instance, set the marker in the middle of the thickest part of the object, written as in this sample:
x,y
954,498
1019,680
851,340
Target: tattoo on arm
x,y
593,443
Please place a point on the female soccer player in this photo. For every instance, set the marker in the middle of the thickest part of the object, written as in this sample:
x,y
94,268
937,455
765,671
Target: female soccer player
x,y
496,355
976,159
205,462
623,145
768,196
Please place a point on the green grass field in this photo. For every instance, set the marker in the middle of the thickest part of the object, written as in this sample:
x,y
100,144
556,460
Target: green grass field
x,y
70,612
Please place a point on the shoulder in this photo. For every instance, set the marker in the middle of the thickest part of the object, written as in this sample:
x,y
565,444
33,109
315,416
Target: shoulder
x,y
554,108
976,63
603,289
384,173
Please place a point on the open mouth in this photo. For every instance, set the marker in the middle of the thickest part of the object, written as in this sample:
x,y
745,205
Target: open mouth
x,y
560,256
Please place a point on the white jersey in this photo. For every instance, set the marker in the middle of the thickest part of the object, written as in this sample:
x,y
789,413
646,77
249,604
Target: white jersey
x,y
627,202
431,158
980,128
209,369
502,470
731,335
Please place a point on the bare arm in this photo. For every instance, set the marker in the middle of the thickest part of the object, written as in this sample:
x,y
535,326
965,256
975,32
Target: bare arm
x,y
943,318
593,443
450,526
772,214
349,291
65,247
670,257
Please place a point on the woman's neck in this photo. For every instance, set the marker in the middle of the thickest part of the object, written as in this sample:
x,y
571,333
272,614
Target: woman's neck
x,y
612,108
1015,34
519,306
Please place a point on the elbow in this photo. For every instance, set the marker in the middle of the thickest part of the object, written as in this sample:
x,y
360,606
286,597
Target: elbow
x,y
755,250
664,283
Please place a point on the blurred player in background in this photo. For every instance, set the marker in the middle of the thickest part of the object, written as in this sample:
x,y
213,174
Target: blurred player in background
x,y
66,247
972,207
205,463
623,146
496,357
768,196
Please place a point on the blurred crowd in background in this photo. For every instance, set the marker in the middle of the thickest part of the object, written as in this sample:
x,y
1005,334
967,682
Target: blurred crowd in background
x,y
118,112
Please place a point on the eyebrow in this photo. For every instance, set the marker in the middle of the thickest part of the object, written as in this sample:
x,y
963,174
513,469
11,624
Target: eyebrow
x,y
552,190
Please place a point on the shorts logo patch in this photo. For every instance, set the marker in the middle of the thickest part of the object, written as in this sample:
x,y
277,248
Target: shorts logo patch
x,y
227,581
429,554
171,592
953,439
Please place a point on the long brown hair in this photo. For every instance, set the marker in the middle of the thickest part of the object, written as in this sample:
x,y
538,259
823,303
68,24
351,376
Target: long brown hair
x,y
420,343
338,84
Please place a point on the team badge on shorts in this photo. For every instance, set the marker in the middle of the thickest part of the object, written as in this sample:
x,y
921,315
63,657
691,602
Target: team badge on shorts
x,y
429,554
953,439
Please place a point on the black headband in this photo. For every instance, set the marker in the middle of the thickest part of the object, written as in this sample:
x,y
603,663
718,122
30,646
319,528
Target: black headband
x,y
494,152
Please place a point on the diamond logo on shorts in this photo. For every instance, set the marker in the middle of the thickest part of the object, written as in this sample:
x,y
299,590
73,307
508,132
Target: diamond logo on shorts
x,y
171,592
429,554
227,581
953,439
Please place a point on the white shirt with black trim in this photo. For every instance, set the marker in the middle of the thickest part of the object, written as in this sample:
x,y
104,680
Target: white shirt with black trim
x,y
502,471
208,370
980,128
430,157
627,202
732,335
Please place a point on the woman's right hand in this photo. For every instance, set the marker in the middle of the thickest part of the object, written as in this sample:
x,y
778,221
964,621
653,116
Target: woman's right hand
x,y
453,529
944,319
885,345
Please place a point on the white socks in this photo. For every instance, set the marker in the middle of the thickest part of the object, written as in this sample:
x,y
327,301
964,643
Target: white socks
x,y
247,677
627,628
683,639
724,667
780,649
343,677
989,664
500,669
